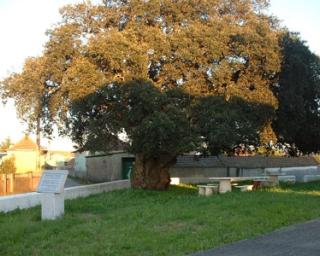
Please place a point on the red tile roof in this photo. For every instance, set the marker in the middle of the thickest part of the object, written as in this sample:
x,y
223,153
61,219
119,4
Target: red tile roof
x,y
25,144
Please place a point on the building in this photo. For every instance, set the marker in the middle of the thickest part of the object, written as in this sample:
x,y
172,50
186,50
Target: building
x,y
114,165
28,157
57,159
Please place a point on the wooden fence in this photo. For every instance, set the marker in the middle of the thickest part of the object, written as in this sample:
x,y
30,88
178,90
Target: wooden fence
x,y
19,183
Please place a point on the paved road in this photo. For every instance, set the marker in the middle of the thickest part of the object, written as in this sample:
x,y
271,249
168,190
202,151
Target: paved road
x,y
71,183
298,240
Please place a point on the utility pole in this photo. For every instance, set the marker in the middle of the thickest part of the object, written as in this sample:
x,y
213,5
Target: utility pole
x,y
38,145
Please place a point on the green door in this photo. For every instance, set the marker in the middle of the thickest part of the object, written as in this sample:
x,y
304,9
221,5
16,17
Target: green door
x,y
127,166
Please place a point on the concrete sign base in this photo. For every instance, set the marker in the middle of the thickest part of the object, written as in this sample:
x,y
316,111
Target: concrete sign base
x,y
52,206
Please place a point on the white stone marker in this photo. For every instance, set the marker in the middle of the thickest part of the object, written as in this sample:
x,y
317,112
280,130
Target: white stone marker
x,y
51,186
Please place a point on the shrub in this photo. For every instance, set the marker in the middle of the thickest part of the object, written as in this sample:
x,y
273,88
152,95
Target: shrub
x,y
8,166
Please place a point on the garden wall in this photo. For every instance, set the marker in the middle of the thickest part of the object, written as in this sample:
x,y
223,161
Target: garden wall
x,y
19,182
109,167
190,166
28,200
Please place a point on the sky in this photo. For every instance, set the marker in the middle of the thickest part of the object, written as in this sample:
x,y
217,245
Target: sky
x,y
300,16
23,24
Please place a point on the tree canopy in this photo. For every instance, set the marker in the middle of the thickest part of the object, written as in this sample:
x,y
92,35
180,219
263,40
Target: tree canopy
x,y
225,51
224,124
204,47
5,144
298,93
8,166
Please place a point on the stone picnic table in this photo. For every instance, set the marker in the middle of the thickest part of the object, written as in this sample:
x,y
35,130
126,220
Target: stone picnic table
x,y
225,182
274,178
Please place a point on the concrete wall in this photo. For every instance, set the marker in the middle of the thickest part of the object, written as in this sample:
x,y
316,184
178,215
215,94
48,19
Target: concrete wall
x,y
105,168
109,167
193,172
198,172
301,172
80,165
252,172
84,191
28,200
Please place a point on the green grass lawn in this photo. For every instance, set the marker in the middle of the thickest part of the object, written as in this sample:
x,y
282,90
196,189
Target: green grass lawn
x,y
174,222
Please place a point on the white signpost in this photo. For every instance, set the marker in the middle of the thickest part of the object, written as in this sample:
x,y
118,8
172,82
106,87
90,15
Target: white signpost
x,y
51,186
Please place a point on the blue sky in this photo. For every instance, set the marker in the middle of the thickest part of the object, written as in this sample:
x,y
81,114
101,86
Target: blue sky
x,y
301,16
23,24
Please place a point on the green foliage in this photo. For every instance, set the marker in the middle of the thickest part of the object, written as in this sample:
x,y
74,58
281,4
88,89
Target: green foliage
x,y
7,165
29,92
155,123
225,124
139,222
184,49
207,47
298,116
5,145
165,123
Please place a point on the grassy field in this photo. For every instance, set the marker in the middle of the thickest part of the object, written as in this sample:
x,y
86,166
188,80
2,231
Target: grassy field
x,y
175,222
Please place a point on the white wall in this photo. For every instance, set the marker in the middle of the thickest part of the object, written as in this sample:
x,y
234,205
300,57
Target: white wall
x,y
80,163
28,200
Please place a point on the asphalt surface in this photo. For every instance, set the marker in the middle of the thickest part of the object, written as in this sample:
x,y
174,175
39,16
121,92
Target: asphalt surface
x,y
71,183
298,240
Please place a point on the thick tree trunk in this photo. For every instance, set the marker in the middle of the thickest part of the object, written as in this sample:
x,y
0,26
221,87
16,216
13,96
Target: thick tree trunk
x,y
152,173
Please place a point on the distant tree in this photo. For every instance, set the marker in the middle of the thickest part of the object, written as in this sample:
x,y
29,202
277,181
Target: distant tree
x,y
298,93
31,91
5,145
7,165
203,48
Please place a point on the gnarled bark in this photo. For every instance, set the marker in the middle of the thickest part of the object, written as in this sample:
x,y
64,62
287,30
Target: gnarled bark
x,y
152,173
